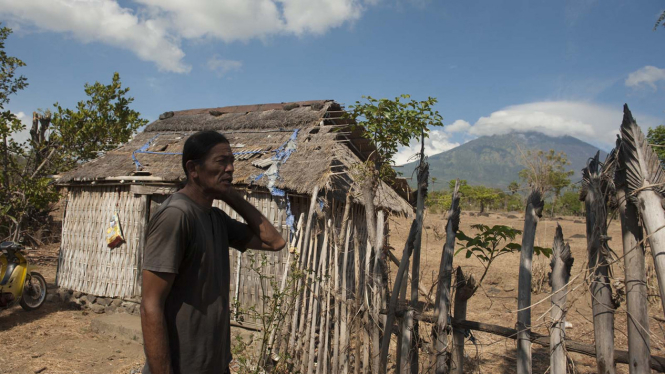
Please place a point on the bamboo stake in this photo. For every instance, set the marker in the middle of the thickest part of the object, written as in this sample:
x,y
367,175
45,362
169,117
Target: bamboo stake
x,y
532,213
309,310
464,288
322,360
561,263
442,310
392,305
358,292
317,286
302,265
645,180
598,252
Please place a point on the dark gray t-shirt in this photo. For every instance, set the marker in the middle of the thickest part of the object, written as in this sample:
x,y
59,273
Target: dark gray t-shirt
x,y
193,242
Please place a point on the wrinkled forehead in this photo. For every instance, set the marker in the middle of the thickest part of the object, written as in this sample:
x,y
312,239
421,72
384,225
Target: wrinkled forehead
x,y
220,150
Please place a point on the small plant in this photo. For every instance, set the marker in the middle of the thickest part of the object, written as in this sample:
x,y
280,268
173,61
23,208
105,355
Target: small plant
x,y
254,354
488,245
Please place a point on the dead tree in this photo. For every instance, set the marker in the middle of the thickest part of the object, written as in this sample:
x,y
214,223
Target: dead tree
x,y
645,187
465,287
639,350
442,304
561,263
594,195
411,324
533,212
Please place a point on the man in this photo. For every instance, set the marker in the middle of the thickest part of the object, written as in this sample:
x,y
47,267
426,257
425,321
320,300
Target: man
x,y
185,305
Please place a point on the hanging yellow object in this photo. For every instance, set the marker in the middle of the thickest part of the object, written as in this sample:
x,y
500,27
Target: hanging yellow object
x,y
114,235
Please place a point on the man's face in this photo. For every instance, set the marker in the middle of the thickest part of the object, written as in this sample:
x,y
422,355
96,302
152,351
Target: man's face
x,y
215,173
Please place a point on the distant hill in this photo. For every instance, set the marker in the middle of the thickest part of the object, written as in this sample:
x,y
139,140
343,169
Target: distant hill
x,y
495,161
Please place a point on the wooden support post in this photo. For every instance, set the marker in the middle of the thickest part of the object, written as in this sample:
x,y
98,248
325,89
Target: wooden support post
x,y
324,330
639,350
302,267
412,325
601,292
310,313
561,263
533,212
645,181
357,305
464,288
366,296
400,279
442,306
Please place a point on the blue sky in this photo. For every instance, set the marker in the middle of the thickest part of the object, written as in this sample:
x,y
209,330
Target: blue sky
x,y
558,67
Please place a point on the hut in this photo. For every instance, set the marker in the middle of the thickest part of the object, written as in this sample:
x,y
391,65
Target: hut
x,y
284,153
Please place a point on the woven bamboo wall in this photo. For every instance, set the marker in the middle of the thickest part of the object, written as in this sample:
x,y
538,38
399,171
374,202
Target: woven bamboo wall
x,y
86,263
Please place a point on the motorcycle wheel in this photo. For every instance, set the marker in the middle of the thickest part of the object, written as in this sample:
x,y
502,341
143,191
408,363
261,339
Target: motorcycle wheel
x,y
34,292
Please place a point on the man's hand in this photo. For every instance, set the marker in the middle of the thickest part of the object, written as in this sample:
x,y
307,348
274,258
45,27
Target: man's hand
x,y
265,235
156,287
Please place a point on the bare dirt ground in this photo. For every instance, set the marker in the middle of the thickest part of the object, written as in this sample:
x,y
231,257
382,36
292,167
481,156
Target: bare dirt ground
x,y
57,339
496,303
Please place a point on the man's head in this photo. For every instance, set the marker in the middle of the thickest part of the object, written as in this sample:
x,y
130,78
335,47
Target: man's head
x,y
207,160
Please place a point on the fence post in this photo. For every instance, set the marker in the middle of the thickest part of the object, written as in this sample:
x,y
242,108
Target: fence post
x,y
464,288
645,180
533,212
593,179
442,304
639,351
561,263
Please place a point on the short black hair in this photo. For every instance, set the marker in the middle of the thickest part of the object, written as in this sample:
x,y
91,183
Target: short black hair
x,y
198,146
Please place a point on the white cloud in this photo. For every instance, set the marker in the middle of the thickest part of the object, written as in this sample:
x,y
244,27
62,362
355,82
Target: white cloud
x,y
25,134
647,75
221,67
590,122
154,30
458,126
101,21
437,142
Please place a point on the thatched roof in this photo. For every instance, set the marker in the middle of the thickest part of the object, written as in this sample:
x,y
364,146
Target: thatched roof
x,y
323,154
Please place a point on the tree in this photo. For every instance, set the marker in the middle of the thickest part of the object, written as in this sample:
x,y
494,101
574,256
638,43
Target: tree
x,y
483,196
513,187
59,142
388,124
546,172
656,138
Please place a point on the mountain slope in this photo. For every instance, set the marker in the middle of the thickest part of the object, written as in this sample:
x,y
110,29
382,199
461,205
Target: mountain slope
x,y
496,160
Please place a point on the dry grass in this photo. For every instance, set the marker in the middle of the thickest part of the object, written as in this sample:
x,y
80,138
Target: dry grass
x,y
496,301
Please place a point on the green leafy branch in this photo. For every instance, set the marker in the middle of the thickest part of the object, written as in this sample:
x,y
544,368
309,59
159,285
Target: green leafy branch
x,y
488,245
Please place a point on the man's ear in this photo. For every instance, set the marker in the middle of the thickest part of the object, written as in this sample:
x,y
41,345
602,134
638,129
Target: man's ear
x,y
192,169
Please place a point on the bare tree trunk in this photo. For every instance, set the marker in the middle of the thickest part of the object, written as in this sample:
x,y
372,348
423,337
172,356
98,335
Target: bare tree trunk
x,y
442,306
377,302
5,162
598,251
412,325
400,279
645,181
464,288
639,350
561,263
533,212
340,294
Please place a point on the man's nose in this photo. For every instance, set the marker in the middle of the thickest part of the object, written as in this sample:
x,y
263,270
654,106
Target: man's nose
x,y
230,168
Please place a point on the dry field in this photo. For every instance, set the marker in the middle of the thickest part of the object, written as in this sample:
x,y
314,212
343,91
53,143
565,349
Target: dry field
x,y
496,303
56,339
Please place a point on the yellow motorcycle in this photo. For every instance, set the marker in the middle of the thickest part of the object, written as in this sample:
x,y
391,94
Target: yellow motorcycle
x,y
18,283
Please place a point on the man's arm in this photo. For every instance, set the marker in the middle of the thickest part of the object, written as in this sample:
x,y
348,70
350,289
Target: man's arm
x,y
264,235
156,287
